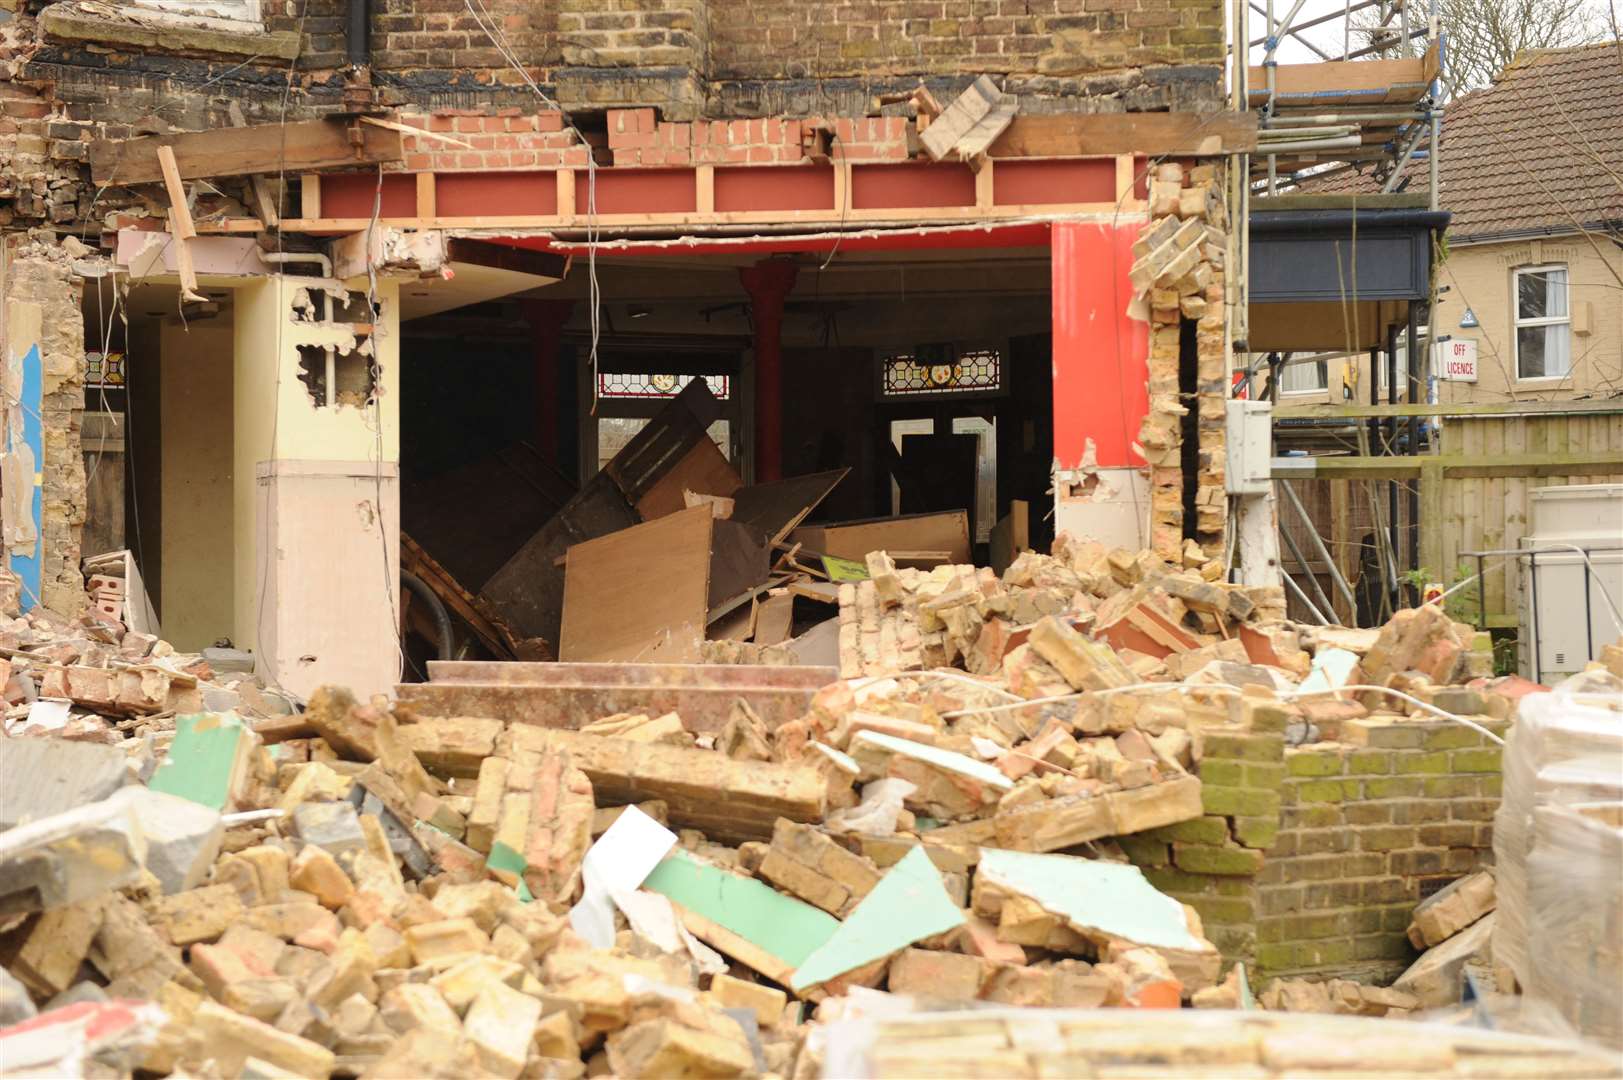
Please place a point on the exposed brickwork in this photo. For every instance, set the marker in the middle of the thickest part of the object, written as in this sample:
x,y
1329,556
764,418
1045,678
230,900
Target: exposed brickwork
x,y
823,38
510,139
1311,859
1195,297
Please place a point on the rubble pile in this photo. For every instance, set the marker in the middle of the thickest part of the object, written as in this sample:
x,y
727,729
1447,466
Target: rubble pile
x,y
361,889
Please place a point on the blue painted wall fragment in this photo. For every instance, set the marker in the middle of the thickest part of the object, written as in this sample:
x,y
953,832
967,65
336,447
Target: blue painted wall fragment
x,y
28,567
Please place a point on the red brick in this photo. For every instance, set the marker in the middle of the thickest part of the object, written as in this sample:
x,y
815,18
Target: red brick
x,y
468,123
551,120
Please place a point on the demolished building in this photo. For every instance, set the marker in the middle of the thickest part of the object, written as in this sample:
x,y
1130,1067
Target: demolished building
x,y
786,452
393,265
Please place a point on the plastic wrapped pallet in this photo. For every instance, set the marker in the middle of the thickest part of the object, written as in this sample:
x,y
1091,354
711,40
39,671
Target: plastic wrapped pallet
x,y
1565,748
1575,916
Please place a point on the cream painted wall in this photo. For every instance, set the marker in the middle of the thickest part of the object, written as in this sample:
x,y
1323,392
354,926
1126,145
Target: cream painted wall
x,y
276,418
1479,278
198,529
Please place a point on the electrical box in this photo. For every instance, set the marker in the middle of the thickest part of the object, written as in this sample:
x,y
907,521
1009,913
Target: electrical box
x,y
1250,447
1560,589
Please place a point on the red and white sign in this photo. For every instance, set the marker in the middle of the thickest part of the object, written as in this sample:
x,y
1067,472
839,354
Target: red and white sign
x,y
1456,360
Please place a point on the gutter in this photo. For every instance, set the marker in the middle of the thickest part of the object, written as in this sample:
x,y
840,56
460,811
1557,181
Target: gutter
x,y
1339,221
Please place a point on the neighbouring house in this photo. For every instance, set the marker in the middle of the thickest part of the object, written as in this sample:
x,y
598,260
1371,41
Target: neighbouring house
x,y
1526,371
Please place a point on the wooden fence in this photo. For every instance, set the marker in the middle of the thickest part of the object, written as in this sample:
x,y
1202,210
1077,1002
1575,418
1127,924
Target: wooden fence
x,y
1473,490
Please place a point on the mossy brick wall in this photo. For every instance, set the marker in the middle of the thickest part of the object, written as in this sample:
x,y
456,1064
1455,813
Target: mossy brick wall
x,y
1310,860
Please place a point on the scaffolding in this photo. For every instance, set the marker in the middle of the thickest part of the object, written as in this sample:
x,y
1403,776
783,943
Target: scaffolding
x,y
1377,103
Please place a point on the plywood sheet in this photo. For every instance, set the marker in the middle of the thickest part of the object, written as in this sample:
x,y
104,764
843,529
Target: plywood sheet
x,y
773,620
772,507
946,531
639,594
1011,535
739,559
703,469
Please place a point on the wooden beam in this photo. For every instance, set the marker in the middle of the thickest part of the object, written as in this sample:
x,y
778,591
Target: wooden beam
x,y
261,148
1108,134
1433,529
1459,411
566,193
310,198
704,189
427,196
1332,467
180,224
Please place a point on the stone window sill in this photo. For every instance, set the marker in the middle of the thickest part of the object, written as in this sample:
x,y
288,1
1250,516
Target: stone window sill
x,y
119,25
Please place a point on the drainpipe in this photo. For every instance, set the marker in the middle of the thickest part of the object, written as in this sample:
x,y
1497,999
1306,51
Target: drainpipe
x,y
358,37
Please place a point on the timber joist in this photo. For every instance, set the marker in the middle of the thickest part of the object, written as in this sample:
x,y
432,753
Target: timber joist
x,y
835,196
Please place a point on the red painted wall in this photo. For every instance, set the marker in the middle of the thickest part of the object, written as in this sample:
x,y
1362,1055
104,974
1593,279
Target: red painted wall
x,y
1101,354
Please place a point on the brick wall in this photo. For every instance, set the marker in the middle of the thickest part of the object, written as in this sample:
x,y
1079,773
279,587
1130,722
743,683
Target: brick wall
x,y
830,38
1311,859
706,57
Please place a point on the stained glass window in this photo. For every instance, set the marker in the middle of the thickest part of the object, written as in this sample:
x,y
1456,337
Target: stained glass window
x,y
617,384
104,369
939,371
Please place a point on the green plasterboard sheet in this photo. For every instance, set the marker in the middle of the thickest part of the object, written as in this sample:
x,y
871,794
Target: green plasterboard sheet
x,y
1112,898
844,569
202,758
909,904
789,929
502,857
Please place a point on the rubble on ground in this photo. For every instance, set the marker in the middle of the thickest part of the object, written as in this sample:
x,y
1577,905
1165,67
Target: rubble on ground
x,y
361,889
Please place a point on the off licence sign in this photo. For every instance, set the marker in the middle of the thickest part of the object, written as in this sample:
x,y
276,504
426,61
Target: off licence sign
x,y
1456,360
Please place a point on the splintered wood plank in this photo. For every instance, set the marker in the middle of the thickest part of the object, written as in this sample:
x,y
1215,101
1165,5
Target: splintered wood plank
x,y
639,594
703,470
262,148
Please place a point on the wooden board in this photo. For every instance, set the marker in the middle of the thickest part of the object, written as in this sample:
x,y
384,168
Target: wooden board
x,y
1011,535
639,594
1151,134
946,531
773,620
739,559
528,589
771,507
662,442
263,148
703,470
1362,82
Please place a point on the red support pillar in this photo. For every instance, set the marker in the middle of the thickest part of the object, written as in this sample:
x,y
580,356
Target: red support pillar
x,y
546,319
1101,352
768,283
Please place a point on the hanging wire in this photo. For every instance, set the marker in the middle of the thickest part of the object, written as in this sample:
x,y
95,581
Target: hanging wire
x,y
492,30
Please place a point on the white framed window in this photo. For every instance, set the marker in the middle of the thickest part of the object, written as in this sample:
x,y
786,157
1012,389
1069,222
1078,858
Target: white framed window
x,y
1543,322
1304,375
